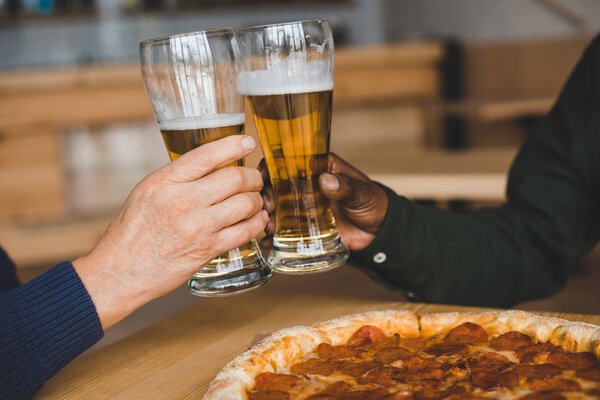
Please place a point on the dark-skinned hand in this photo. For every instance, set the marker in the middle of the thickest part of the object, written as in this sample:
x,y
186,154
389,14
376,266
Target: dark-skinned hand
x,y
359,204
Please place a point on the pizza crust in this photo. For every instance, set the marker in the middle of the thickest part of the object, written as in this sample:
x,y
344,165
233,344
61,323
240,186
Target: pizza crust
x,y
339,330
271,354
571,336
284,348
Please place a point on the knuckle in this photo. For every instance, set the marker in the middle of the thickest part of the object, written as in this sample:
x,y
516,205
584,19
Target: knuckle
x,y
208,222
235,176
257,200
147,190
249,232
250,203
203,159
256,178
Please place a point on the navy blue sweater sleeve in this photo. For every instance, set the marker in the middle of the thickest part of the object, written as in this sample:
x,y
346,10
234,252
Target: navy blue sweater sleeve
x,y
8,273
44,324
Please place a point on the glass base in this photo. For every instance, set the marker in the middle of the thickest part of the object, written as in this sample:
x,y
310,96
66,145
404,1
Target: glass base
x,y
229,275
287,260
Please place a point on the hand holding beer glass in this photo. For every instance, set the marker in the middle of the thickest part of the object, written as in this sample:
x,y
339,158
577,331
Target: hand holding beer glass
x,y
191,82
287,75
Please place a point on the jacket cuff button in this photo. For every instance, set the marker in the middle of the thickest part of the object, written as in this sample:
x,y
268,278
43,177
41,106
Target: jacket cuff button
x,y
379,258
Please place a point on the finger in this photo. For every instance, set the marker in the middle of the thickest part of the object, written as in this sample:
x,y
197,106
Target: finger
x,y
199,162
338,165
240,233
262,167
270,228
264,172
266,242
235,209
226,182
349,192
268,200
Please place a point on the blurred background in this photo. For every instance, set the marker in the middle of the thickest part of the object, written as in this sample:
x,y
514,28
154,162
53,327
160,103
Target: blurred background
x,y
432,97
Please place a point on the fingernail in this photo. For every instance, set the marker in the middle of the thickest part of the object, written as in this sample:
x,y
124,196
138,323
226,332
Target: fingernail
x,y
248,143
330,182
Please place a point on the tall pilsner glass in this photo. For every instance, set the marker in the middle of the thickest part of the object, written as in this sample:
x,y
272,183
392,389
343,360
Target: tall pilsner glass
x,y
191,82
287,76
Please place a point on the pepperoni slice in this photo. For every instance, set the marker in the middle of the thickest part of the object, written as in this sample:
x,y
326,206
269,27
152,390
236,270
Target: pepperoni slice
x,y
338,388
451,393
544,395
511,341
268,381
492,370
538,371
593,393
366,336
454,391
466,333
425,367
313,366
555,383
526,354
269,395
417,380
328,352
379,376
489,362
490,379
332,392
441,349
388,355
359,368
574,361
323,396
590,374
375,394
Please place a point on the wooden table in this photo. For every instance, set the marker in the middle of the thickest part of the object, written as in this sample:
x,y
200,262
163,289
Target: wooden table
x,y
177,358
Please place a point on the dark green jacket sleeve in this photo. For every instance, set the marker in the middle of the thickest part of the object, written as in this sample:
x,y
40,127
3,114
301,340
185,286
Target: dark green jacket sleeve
x,y
527,247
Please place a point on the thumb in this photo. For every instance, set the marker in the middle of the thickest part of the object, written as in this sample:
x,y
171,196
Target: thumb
x,y
351,193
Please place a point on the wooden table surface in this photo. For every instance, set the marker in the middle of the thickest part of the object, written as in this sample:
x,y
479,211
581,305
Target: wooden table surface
x,y
177,358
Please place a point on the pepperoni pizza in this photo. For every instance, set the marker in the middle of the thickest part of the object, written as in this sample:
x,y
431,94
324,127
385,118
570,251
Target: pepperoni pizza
x,y
397,355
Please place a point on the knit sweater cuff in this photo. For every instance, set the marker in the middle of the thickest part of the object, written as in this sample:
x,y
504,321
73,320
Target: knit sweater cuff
x,y
51,320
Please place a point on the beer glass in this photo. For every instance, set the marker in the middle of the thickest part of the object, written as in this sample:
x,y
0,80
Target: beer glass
x,y
287,77
191,82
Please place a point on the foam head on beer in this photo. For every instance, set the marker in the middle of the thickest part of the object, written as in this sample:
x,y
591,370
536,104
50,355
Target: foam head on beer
x,y
204,122
287,76
184,134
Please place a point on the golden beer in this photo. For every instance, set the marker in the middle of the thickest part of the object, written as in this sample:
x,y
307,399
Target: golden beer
x,y
294,130
183,135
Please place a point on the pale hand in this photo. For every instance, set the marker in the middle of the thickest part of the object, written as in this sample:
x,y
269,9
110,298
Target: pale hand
x,y
175,221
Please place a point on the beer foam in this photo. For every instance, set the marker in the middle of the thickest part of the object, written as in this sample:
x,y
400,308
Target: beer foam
x,y
288,76
205,122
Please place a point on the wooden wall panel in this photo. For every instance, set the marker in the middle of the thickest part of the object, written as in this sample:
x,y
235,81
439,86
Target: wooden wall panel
x,y
521,69
32,183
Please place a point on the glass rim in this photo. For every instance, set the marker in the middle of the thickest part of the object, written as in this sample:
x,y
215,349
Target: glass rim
x,y
208,32
302,21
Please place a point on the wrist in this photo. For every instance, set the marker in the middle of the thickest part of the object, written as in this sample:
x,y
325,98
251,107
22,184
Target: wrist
x,y
107,287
